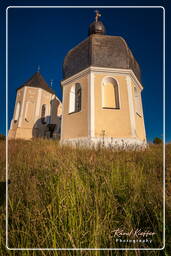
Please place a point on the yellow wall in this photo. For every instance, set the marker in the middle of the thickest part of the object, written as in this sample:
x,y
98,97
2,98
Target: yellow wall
x,y
75,125
115,122
19,98
139,119
31,97
26,125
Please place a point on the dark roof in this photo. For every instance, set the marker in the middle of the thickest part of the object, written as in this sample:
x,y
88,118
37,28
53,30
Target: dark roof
x,y
100,51
37,81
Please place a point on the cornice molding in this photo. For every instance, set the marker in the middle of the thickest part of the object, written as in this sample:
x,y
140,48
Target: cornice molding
x,y
115,71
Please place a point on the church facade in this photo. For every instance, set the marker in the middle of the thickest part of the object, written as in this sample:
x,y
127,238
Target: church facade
x,y
37,111
101,95
102,92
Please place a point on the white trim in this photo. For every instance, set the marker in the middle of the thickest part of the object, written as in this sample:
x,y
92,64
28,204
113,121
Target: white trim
x,y
71,103
62,116
26,111
142,116
92,104
39,97
124,143
85,6
35,88
11,124
131,106
30,87
115,71
75,77
37,112
22,106
15,106
17,111
89,105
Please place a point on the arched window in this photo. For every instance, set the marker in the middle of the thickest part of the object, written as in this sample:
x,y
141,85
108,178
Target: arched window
x,y
17,112
110,93
75,98
43,112
137,97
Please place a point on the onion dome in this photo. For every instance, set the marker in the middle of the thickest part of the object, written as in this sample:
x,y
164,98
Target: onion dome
x,y
100,50
97,27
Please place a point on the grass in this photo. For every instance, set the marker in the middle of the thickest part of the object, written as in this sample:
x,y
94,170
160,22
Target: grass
x,y
75,198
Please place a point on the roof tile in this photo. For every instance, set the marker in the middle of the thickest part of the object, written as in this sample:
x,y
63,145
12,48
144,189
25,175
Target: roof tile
x,y
37,81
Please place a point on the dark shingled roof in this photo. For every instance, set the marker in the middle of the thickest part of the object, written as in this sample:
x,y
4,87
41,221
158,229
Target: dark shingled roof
x,y
37,81
100,51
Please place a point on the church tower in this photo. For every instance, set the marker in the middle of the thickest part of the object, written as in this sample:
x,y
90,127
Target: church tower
x,y
102,92
37,111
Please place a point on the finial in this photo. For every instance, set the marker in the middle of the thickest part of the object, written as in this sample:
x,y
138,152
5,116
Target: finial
x,y
51,82
38,68
97,15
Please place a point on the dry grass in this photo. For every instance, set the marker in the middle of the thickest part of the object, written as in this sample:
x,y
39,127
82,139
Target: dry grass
x,y
75,198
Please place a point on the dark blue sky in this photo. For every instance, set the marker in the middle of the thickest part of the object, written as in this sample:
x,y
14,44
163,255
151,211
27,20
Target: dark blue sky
x,y
43,36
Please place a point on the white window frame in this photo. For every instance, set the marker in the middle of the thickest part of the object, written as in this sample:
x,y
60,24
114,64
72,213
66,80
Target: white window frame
x,y
17,111
72,99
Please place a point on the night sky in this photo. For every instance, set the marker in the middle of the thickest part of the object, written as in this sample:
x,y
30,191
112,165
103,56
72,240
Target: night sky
x,y
44,36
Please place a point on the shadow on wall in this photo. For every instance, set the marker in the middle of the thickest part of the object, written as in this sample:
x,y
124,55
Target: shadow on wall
x,y
45,129
48,126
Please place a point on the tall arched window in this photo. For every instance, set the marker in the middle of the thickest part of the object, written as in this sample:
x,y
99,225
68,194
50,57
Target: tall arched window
x,y
75,98
43,112
17,112
137,97
110,93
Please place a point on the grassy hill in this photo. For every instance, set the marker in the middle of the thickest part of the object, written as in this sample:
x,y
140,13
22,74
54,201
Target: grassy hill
x,y
77,198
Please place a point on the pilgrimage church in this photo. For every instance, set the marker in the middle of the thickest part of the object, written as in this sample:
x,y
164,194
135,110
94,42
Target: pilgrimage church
x,y
101,96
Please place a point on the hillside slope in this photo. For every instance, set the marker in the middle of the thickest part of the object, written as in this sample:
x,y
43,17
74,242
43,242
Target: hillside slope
x,y
61,197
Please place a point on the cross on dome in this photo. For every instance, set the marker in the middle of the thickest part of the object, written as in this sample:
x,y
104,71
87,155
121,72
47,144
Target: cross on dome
x,y
97,27
51,83
98,14
38,68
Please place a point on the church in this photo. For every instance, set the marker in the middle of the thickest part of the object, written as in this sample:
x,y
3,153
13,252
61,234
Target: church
x,y
101,100
37,111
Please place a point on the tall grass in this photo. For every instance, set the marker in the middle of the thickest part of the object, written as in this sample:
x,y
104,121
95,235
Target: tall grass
x,y
60,197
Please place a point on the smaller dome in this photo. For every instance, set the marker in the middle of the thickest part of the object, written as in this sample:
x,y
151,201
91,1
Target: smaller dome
x,y
97,27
